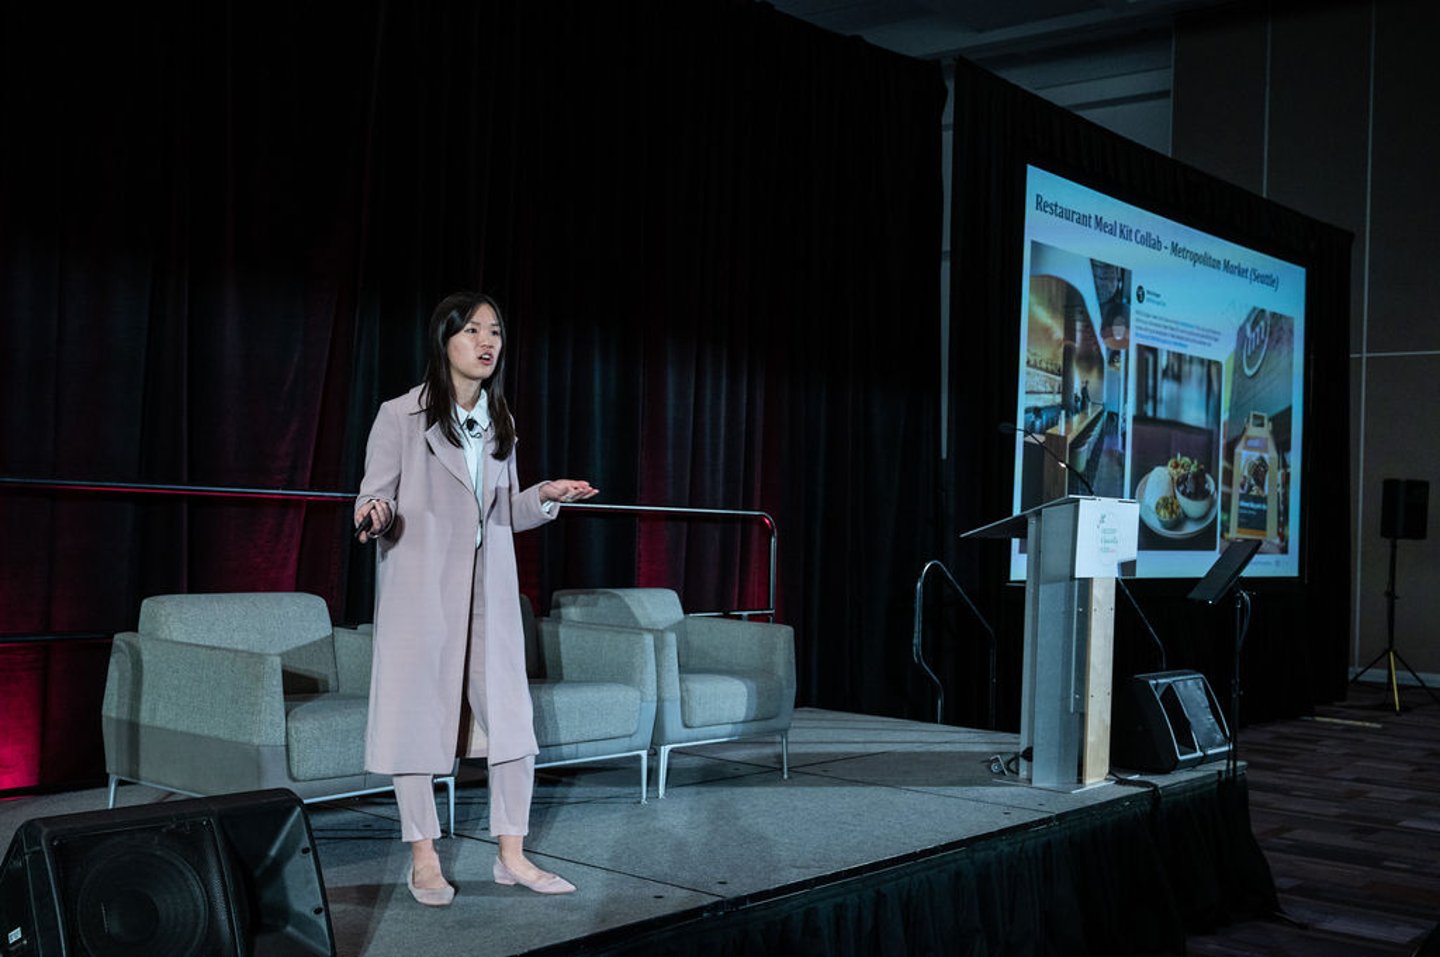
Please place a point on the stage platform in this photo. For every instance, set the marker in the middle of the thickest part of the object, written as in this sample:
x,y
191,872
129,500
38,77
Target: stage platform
x,y
889,834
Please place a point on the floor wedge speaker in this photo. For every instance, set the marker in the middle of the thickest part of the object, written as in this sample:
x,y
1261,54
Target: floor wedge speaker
x,y
1166,721
232,876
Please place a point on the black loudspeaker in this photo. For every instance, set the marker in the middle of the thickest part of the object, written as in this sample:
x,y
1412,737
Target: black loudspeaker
x,y
1403,503
1165,721
233,876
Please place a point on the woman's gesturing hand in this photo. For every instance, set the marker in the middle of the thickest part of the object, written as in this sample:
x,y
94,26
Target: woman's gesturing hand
x,y
567,490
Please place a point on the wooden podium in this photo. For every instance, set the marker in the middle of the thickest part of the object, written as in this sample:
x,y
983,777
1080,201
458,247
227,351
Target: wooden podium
x,y
1074,547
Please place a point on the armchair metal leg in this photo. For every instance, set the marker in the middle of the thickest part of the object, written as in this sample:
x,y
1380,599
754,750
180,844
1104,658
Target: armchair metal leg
x,y
644,777
110,800
664,752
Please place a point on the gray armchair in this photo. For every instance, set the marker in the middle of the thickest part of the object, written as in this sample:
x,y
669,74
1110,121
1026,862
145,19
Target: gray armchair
x,y
594,691
719,678
215,694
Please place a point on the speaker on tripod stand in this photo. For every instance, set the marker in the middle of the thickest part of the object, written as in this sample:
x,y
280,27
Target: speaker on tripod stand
x,y
1403,507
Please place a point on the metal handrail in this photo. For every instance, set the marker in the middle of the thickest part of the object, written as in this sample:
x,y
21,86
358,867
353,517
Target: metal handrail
x,y
309,495
764,517
918,652
155,488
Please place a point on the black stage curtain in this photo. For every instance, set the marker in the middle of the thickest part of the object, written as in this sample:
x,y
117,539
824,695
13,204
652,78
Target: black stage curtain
x,y
715,232
1295,653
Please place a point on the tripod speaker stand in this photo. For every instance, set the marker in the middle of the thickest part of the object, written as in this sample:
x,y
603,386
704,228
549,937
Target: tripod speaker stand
x,y
1402,515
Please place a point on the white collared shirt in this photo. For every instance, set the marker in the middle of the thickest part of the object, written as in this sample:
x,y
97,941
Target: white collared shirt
x,y
474,448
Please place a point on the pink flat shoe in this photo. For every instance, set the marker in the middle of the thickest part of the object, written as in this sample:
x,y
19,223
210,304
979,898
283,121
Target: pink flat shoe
x,y
549,884
429,896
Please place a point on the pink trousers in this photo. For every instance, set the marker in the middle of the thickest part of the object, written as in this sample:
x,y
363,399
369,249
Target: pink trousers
x,y
512,783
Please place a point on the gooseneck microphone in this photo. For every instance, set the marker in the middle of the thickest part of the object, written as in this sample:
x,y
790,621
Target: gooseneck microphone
x,y
1010,428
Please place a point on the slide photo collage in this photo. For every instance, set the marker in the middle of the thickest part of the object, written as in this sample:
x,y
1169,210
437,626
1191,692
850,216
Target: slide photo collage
x,y
1159,363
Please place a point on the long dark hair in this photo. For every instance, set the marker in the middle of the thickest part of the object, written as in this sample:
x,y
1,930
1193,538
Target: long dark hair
x,y
437,396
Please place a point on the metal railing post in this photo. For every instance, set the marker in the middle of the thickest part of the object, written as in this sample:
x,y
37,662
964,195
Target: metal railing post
x,y
918,652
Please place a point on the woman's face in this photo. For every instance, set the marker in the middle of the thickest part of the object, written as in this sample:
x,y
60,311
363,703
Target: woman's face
x,y
474,351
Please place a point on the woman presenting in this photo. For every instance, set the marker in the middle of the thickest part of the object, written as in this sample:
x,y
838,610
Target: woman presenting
x,y
441,498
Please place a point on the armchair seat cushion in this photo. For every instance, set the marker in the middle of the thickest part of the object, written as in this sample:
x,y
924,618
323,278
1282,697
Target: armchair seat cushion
x,y
325,735
571,712
713,697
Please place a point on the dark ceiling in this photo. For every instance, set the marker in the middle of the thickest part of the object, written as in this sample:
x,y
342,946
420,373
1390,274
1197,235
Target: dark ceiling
x,y
981,28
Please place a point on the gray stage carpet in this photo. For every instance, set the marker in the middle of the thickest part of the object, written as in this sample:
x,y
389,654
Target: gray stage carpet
x,y
862,790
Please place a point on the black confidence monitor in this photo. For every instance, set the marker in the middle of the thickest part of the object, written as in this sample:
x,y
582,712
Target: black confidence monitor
x,y
1226,570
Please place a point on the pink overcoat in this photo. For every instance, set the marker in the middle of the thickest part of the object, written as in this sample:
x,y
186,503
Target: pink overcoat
x,y
425,570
